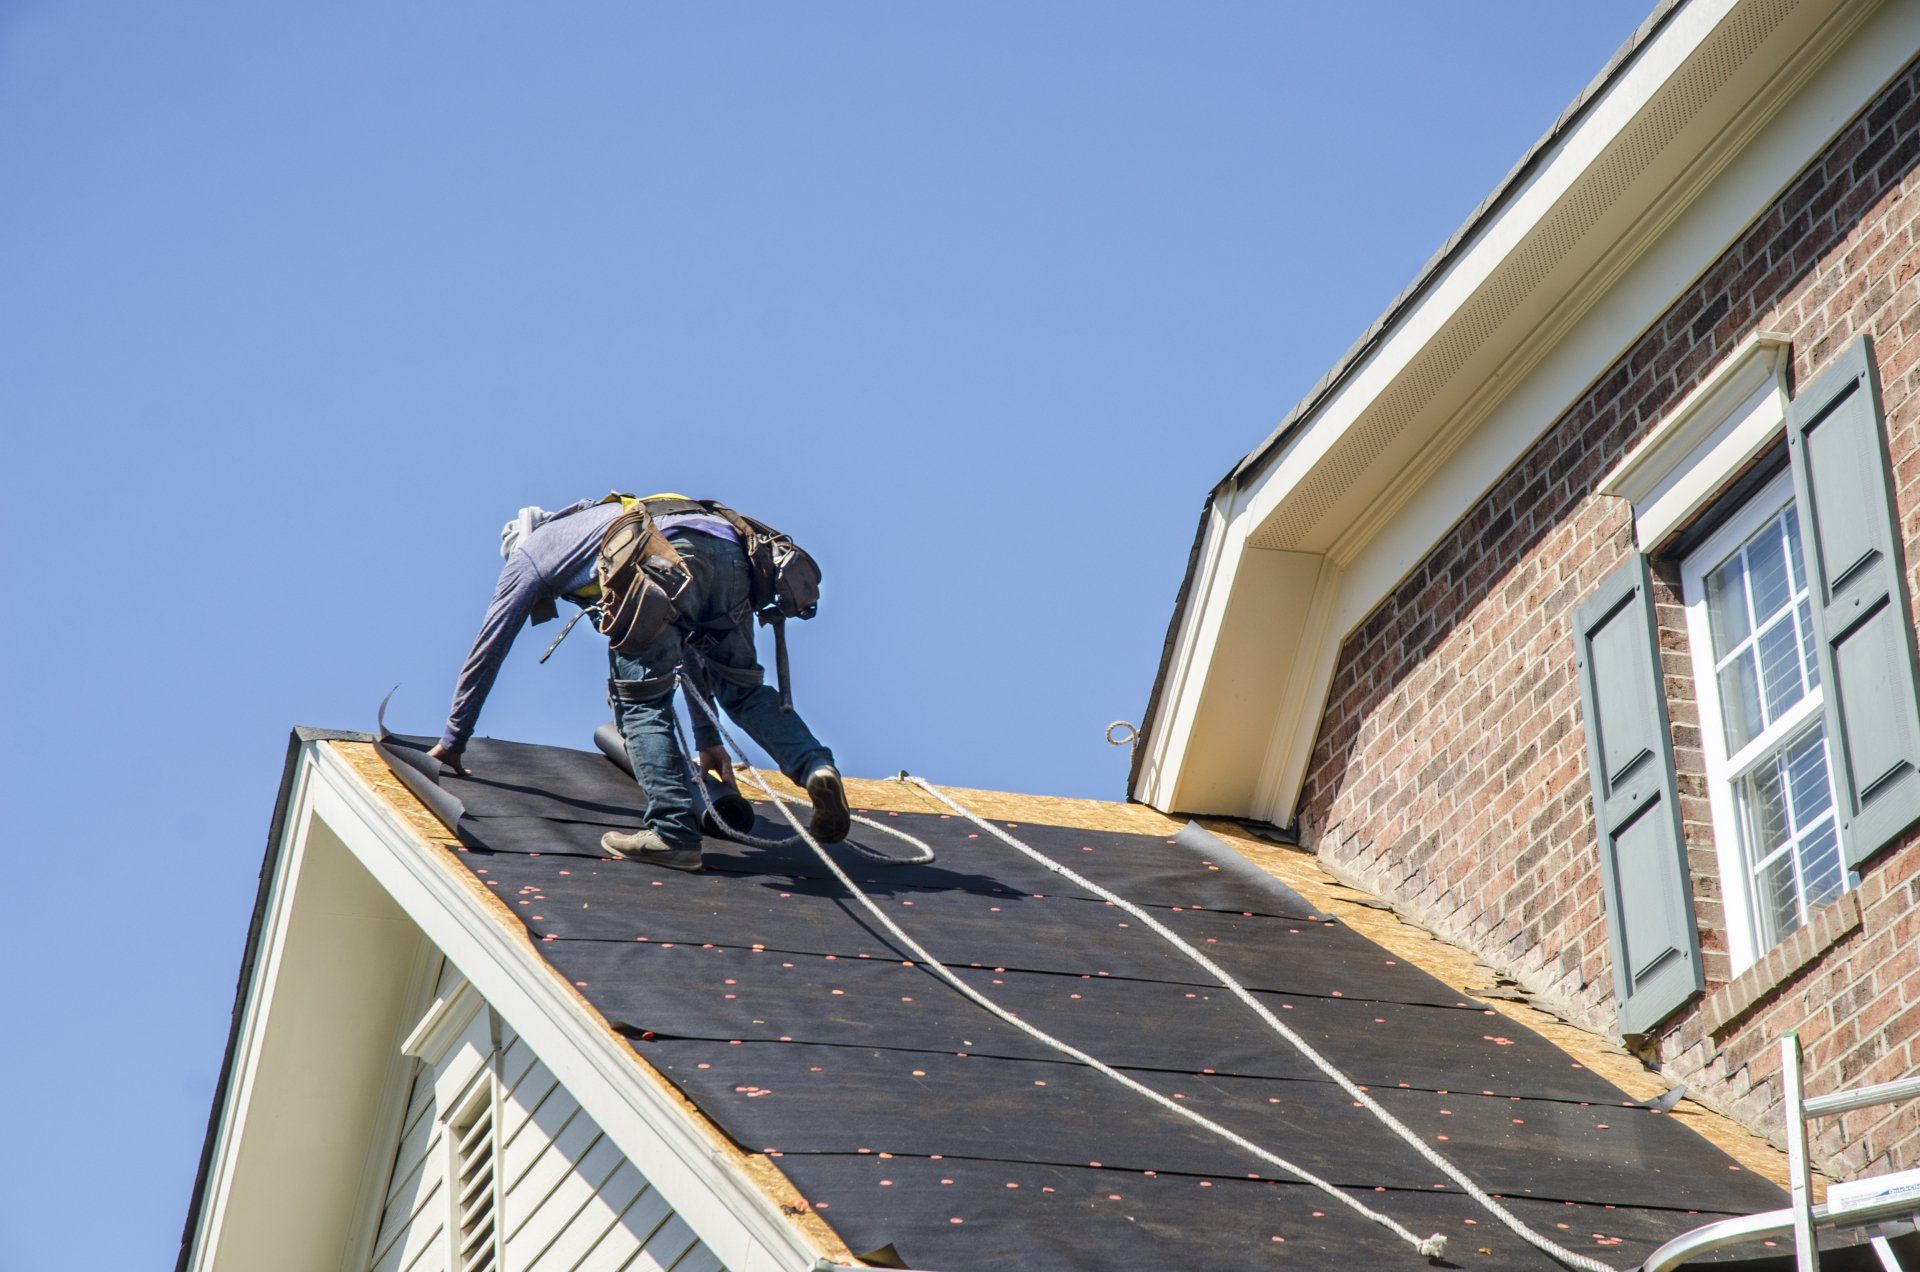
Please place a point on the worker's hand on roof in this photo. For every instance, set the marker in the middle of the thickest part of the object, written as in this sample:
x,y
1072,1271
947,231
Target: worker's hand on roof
x,y
448,757
713,759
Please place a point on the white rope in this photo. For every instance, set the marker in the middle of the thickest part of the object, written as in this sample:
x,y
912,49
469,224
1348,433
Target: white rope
x,y
1430,1246
1360,1095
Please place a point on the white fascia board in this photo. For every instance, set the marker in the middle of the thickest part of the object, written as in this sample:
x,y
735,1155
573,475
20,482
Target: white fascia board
x,y
737,1221
1751,180
1244,507
1167,733
233,1111
1607,116
333,968
1867,44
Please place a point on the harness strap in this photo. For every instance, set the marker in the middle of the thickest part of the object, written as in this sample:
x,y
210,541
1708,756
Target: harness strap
x,y
674,506
746,677
652,689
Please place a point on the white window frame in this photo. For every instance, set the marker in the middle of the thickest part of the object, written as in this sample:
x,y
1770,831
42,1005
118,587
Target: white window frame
x,y
1723,770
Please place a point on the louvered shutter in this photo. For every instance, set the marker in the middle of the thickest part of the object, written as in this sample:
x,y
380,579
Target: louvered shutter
x,y
1643,860
1844,484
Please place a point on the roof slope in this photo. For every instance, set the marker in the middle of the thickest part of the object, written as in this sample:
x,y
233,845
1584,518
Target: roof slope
x,y
909,1117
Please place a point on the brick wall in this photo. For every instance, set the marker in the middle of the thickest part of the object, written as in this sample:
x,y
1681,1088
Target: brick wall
x,y
1450,771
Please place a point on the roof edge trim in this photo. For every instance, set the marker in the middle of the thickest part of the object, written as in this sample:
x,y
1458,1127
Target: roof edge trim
x,y
249,958
1458,242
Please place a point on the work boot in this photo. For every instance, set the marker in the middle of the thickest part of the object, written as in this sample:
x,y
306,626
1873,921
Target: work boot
x,y
646,845
831,817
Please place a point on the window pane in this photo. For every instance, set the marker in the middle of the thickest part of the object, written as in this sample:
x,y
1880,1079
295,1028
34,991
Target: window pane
x,y
1820,866
1807,660
1786,815
1779,651
1796,558
1806,772
1740,701
1727,605
1765,797
1776,905
1767,573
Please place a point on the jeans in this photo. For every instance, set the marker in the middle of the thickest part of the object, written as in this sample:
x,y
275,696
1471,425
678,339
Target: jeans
x,y
719,588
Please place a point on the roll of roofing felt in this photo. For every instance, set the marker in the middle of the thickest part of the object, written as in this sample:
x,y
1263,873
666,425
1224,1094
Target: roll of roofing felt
x,y
613,746
732,808
416,771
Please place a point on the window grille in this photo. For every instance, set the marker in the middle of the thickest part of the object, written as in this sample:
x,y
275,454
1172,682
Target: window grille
x,y
1763,730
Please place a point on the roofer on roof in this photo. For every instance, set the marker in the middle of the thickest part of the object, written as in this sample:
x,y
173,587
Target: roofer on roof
x,y
676,575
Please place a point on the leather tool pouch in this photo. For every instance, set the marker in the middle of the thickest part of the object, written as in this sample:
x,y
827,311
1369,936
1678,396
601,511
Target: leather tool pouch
x,y
796,575
786,578
640,576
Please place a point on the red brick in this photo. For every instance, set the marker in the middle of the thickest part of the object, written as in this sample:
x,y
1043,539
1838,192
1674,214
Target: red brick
x,y
1450,770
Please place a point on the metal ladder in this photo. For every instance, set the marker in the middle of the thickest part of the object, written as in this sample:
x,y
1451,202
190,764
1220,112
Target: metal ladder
x,y
1884,1206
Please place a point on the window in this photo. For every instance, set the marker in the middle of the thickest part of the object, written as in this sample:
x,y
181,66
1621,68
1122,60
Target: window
x,y
1763,732
1805,667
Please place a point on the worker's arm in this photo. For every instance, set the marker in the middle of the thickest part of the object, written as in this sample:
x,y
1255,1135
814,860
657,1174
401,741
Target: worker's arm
x,y
519,590
712,755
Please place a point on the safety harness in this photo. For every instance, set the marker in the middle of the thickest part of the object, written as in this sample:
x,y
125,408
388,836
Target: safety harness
x,y
639,577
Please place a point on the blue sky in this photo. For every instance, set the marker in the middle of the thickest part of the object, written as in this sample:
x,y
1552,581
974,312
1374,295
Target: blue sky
x,y
302,301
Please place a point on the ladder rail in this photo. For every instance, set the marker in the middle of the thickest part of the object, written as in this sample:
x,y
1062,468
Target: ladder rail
x,y
1863,1097
1723,1233
1802,1219
1806,1251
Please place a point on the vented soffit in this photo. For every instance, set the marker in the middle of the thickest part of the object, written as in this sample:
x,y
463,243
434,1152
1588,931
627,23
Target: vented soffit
x,y
1487,207
1610,209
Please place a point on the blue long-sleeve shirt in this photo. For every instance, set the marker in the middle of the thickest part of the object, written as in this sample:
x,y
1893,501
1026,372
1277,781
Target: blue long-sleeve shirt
x,y
555,559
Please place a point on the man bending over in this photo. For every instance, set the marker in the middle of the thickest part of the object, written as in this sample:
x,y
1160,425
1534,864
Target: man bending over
x,y
550,557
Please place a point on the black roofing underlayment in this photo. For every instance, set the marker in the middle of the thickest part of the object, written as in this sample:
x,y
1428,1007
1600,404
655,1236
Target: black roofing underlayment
x,y
909,1116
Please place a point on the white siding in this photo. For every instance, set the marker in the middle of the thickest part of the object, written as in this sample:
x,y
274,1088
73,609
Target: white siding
x,y
572,1202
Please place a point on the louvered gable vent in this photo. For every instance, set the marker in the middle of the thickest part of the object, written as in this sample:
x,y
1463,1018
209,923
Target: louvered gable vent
x,y
476,1181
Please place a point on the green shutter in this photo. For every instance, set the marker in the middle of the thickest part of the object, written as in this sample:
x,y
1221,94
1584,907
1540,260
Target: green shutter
x,y
1844,485
1643,860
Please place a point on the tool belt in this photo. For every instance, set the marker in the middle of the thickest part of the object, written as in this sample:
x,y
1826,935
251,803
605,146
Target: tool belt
x,y
640,576
785,577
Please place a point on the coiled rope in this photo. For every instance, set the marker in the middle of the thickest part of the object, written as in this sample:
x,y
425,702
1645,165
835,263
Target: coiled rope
x,y
1428,1246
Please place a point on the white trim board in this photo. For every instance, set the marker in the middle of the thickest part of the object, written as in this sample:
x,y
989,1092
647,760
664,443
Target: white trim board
x,y
1724,424
311,1088
1380,509
337,991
